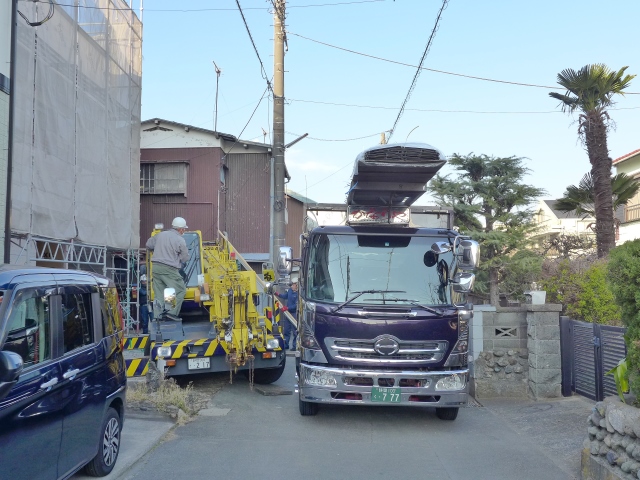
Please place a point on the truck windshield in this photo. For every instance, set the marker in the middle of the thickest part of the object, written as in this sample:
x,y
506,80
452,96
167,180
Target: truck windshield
x,y
395,269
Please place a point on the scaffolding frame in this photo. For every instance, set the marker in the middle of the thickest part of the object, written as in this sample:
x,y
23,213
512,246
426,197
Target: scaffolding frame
x,y
74,255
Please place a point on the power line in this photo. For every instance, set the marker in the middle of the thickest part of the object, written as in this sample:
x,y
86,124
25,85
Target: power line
x,y
337,139
419,69
188,10
263,71
422,68
439,110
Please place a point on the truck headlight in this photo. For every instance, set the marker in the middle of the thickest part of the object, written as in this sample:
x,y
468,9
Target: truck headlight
x,y
318,378
164,351
452,382
308,327
272,344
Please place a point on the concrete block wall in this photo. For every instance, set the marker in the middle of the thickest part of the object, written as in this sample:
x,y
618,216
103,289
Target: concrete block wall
x,y
529,336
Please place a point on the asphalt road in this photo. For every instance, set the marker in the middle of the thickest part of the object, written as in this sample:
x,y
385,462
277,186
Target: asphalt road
x,y
245,435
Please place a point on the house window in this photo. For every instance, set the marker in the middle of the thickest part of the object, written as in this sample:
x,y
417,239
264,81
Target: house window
x,y
156,178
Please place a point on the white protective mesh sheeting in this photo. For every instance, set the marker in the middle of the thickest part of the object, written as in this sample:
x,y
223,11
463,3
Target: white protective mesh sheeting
x,y
77,147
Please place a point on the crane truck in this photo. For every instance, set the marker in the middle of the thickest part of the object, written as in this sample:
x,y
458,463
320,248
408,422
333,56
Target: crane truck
x,y
382,313
226,321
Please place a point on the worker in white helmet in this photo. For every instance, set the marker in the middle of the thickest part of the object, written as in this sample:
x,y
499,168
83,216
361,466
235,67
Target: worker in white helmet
x,y
169,253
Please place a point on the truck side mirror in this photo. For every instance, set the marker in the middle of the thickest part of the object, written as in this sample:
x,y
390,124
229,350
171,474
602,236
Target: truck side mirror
x,y
463,282
468,254
285,263
440,247
10,369
169,298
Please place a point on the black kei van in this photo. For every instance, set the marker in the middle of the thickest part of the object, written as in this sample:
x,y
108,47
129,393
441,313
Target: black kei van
x,y
62,373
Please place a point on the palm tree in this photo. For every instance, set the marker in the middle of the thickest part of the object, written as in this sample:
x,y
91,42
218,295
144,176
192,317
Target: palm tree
x,y
590,91
580,199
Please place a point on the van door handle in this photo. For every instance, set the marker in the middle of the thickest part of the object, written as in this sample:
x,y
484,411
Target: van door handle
x,y
49,384
71,374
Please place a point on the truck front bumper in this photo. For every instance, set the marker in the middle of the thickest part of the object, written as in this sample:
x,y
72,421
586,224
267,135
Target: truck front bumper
x,y
318,384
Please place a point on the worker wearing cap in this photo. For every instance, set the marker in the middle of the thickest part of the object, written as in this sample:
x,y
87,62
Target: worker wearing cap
x,y
169,253
143,307
290,331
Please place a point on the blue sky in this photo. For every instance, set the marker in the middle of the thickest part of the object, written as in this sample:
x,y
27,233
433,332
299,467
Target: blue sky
x,y
516,41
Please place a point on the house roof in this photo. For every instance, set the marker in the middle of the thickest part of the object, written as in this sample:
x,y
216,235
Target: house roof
x,y
299,197
157,121
626,156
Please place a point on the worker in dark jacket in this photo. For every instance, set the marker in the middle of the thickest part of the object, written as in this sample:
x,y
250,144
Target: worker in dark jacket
x,y
169,253
291,296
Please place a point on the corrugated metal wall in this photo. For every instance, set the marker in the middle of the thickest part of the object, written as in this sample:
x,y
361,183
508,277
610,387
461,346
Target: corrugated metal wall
x,y
199,207
246,218
296,214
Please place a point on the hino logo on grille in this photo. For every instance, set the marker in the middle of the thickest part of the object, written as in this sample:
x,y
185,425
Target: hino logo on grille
x,y
386,346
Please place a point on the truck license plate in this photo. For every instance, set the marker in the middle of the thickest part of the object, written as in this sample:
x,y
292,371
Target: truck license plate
x,y
199,363
385,394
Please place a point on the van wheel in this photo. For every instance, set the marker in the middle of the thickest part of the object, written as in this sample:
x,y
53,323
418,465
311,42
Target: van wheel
x,y
447,413
307,408
105,460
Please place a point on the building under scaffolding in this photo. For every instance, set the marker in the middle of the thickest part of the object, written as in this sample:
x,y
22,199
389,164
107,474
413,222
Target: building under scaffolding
x,y
76,140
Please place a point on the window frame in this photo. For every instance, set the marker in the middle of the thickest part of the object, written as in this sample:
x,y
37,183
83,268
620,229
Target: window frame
x,y
148,180
96,331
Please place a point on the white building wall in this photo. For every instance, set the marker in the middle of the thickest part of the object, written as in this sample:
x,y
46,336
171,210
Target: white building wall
x,y
5,37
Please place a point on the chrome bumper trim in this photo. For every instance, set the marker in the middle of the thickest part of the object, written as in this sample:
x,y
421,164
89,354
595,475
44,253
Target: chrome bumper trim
x,y
318,394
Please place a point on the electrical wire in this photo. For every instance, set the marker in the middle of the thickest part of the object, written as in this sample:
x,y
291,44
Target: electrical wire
x,y
188,10
337,140
434,30
263,71
44,20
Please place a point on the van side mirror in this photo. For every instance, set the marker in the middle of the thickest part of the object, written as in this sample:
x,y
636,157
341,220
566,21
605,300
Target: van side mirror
x,y
10,369
285,262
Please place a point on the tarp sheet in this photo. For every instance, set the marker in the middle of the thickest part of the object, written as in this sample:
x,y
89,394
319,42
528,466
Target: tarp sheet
x,y
76,143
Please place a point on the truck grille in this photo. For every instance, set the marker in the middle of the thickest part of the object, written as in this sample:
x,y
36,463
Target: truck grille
x,y
356,350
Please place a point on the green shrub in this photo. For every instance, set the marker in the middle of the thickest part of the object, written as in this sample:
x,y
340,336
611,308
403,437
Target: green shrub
x,y
624,277
580,286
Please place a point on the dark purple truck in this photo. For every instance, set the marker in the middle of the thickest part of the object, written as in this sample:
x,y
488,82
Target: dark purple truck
x,y
382,312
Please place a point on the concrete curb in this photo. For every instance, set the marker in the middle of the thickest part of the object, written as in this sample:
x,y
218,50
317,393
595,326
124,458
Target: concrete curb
x,y
142,431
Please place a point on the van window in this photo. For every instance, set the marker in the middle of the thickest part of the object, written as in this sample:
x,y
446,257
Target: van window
x,y
28,328
76,320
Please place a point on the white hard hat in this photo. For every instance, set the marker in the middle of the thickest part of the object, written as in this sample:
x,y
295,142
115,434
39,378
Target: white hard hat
x,y
179,222
143,278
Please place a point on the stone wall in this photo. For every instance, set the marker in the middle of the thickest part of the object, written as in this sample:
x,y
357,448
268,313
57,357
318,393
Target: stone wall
x,y
520,354
613,441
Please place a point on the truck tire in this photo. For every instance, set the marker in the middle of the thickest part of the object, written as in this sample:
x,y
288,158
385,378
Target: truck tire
x,y
105,459
447,413
265,376
307,408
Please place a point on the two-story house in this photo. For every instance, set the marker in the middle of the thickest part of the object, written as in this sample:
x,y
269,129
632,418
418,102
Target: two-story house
x,y
630,220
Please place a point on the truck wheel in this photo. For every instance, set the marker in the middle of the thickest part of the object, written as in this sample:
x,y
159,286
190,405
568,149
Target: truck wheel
x,y
447,413
105,460
265,376
307,408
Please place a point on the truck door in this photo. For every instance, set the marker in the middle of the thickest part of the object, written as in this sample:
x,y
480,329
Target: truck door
x,y
84,382
31,415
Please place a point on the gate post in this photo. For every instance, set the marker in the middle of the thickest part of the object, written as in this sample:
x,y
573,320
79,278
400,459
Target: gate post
x,y
543,344
566,354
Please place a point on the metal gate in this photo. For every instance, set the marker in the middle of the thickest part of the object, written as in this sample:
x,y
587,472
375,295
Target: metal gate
x,y
589,351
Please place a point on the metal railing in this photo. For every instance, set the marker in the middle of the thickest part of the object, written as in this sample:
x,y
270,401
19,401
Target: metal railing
x,y
632,213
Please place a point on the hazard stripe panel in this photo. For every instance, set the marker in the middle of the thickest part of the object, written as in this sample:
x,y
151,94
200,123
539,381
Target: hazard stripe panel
x,y
203,347
137,367
133,343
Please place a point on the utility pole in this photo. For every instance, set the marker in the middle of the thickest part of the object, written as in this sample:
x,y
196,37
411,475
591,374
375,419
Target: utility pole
x,y
278,129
